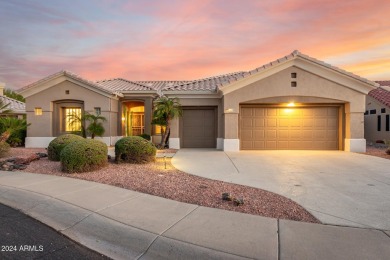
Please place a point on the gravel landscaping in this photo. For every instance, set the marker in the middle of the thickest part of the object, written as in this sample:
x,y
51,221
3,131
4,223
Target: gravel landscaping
x,y
155,179
377,151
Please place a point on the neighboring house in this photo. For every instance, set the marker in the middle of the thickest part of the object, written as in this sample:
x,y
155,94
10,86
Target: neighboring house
x,y
296,102
377,115
18,108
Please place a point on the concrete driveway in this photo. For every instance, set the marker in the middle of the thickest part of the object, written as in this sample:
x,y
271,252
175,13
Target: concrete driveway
x,y
339,188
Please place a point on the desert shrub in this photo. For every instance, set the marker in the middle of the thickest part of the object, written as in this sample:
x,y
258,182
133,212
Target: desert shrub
x,y
59,143
83,155
134,149
4,149
17,138
145,136
388,151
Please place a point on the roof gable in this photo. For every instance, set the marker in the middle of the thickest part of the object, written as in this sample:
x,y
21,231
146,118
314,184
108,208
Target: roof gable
x,y
307,63
59,77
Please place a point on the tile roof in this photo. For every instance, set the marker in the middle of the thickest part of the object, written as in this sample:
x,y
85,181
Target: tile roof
x,y
213,84
158,85
120,84
207,84
69,74
15,105
218,82
382,94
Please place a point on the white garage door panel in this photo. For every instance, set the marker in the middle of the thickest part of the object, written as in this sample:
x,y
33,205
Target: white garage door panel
x,y
314,128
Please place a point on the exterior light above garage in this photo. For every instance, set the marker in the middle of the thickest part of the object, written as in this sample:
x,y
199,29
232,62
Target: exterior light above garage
x,y
291,104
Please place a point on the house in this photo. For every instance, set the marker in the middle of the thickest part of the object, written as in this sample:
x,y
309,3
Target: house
x,y
295,102
18,109
377,115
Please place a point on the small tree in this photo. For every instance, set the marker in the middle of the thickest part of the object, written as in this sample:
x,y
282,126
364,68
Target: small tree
x,y
95,127
166,109
12,94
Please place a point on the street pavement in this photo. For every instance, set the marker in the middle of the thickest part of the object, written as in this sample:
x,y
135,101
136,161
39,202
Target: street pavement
x,y
22,237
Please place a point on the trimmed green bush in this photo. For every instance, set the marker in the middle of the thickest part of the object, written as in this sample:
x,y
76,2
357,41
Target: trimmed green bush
x,y
59,143
134,149
83,156
145,136
4,149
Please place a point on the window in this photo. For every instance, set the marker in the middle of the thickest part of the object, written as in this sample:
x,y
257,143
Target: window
x,y
293,84
387,123
366,113
38,111
157,129
383,110
67,92
372,111
72,119
98,111
379,123
294,75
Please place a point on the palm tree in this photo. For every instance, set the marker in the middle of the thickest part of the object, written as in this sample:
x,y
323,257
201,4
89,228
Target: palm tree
x,y
166,109
95,127
75,119
11,125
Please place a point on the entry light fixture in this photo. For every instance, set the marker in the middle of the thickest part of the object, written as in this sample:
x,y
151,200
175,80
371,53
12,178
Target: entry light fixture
x,y
123,118
229,110
38,111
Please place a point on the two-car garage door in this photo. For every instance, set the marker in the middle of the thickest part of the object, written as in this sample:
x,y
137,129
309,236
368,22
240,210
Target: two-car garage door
x,y
273,128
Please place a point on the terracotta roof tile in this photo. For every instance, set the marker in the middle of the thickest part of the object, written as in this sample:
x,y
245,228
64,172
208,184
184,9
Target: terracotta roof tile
x,y
382,94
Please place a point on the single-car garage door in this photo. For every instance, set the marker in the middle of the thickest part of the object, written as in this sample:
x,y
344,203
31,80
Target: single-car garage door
x,y
310,128
198,128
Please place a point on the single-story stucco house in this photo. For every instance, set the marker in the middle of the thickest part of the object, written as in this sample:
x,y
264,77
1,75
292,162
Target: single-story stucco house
x,y
377,115
295,102
18,108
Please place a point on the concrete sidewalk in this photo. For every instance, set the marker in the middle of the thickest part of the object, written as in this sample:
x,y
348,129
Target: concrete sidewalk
x,y
124,224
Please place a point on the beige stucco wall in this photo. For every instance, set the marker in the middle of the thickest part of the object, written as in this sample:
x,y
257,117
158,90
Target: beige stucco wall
x,y
371,132
310,88
42,126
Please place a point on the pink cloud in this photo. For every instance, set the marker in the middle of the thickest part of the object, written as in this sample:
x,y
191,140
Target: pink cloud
x,y
193,39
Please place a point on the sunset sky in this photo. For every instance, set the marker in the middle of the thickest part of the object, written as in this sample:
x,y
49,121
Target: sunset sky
x,y
178,39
